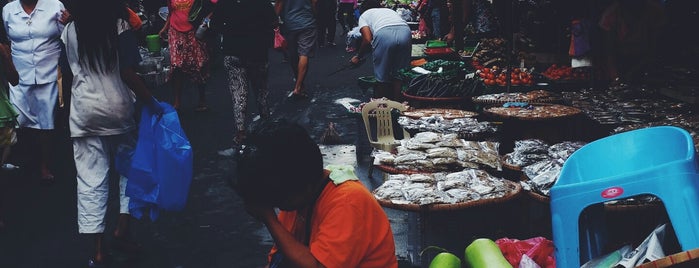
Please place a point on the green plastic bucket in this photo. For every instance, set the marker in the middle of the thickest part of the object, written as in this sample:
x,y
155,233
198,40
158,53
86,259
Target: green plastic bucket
x,y
153,43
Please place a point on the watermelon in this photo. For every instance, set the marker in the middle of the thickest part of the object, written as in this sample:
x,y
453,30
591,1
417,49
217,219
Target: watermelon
x,y
445,260
484,253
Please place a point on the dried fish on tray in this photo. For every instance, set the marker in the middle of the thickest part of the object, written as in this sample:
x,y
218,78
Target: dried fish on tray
x,y
535,96
623,107
441,112
438,124
534,112
540,164
470,185
432,152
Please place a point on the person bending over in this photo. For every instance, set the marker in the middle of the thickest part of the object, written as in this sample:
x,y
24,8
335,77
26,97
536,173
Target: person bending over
x,y
389,37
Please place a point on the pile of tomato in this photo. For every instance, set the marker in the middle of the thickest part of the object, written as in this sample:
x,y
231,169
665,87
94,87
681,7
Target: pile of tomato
x,y
499,76
555,72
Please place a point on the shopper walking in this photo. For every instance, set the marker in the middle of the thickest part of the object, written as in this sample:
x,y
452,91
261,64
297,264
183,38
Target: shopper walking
x,y
189,58
8,114
33,28
327,22
102,53
247,28
345,13
299,30
8,119
387,35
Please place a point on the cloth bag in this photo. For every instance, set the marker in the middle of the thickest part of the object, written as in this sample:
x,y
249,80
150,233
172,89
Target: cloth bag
x,y
279,41
161,167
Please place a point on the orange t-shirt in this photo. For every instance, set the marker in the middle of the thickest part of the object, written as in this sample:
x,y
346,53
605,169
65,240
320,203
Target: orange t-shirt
x,y
348,229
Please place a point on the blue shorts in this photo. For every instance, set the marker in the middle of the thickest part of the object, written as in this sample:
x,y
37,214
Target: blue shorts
x,y
301,42
392,46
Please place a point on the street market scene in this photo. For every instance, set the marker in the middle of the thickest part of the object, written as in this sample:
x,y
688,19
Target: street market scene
x,y
349,133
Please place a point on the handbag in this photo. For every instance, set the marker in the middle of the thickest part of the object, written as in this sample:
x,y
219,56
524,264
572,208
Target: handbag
x,y
279,41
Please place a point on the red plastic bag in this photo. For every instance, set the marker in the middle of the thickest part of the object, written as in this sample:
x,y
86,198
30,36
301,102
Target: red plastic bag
x,y
279,41
539,249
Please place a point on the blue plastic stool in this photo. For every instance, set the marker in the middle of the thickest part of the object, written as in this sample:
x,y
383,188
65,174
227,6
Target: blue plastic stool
x,y
658,160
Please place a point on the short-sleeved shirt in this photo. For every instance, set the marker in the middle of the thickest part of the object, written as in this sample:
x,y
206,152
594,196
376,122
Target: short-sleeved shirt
x,y
35,40
101,103
377,18
179,15
297,15
348,228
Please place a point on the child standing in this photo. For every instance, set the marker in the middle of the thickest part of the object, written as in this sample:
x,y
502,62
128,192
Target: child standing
x,y
8,115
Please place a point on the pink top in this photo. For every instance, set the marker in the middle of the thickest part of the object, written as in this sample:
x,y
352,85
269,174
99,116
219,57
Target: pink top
x,y
179,15
350,1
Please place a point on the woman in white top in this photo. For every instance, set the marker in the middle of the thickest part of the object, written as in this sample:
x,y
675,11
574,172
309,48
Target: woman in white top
x,y
102,53
389,37
33,28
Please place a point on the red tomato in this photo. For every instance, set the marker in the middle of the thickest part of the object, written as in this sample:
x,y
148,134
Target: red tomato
x,y
491,76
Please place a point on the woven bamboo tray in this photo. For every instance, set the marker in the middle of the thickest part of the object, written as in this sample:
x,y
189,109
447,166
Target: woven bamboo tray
x,y
515,190
685,258
608,207
508,166
443,112
392,170
572,111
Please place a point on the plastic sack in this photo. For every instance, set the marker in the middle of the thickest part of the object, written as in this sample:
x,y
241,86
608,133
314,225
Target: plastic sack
x,y
279,41
161,167
538,249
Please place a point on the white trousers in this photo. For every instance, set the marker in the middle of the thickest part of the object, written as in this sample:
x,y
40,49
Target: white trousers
x,y
92,161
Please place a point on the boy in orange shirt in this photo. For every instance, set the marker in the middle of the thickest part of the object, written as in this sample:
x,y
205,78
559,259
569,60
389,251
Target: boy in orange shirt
x,y
322,223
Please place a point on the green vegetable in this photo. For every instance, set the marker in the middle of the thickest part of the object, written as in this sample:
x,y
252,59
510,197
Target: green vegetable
x,y
484,253
445,260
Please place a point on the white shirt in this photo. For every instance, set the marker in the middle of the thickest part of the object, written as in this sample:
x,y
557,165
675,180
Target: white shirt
x,y
101,103
377,18
34,40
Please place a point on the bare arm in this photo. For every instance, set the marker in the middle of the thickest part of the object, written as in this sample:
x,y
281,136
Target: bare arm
x,y
294,251
8,66
367,36
135,83
278,5
166,27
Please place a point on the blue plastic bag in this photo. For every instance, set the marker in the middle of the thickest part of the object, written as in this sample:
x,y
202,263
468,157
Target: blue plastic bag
x,y
161,167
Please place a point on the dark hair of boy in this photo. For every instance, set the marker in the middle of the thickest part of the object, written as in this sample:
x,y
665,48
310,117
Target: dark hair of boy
x,y
279,161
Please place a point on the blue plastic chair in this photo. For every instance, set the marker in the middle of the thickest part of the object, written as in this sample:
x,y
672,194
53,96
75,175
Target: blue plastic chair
x,y
658,160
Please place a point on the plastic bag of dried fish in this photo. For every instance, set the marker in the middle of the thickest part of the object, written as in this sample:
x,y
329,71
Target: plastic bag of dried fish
x,y
463,195
537,168
522,159
564,149
442,152
408,158
414,144
427,137
543,182
390,190
531,146
420,178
